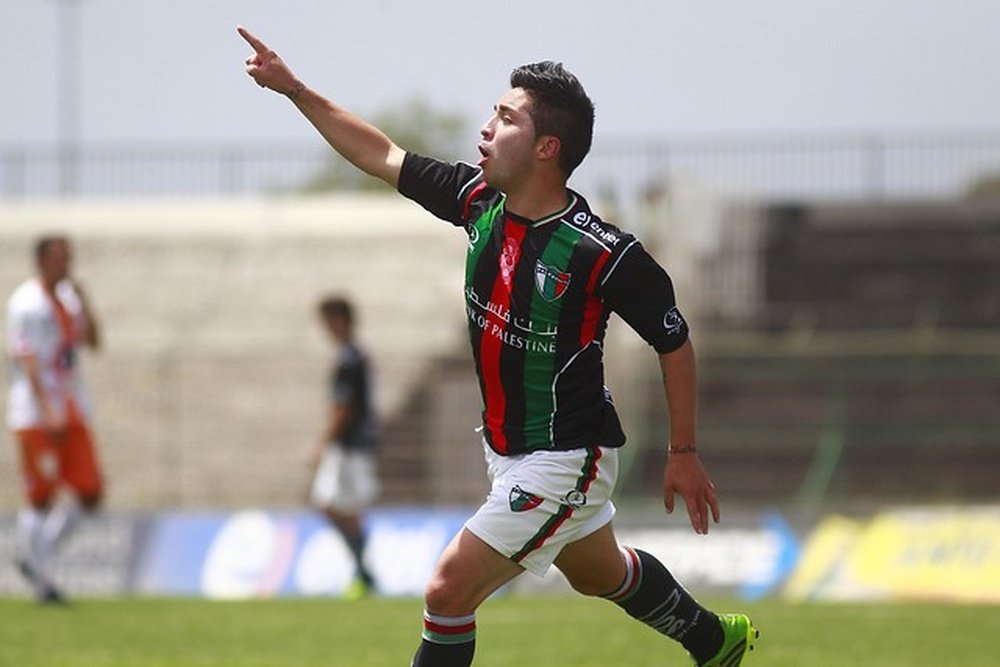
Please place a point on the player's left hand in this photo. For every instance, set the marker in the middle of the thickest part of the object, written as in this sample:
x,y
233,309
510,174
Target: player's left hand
x,y
685,475
266,67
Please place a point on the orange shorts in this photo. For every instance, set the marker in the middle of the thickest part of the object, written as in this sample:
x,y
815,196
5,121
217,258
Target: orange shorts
x,y
49,461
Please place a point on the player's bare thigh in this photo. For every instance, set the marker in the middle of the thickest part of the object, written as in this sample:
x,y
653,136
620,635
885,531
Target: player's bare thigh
x,y
467,573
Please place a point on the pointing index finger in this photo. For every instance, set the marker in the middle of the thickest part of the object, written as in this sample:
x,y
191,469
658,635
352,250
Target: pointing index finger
x,y
257,45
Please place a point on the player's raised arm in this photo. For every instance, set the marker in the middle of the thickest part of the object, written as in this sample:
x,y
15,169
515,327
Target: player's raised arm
x,y
362,144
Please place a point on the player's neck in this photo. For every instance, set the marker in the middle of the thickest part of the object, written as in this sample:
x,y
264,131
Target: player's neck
x,y
47,283
538,199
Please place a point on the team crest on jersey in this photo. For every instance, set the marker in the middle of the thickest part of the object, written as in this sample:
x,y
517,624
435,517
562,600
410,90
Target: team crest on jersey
x,y
522,501
551,283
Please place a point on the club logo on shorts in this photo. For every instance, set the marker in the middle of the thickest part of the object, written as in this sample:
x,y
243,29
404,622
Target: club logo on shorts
x,y
522,501
551,283
575,499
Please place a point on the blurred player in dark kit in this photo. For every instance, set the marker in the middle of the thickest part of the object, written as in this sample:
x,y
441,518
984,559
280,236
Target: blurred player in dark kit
x,y
345,481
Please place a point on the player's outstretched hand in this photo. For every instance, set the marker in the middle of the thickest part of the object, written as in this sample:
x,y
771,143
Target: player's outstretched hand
x,y
266,67
686,476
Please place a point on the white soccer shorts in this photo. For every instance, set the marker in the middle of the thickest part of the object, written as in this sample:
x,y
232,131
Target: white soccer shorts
x,y
542,501
345,480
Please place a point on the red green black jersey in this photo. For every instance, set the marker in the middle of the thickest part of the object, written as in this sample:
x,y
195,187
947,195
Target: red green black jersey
x,y
538,294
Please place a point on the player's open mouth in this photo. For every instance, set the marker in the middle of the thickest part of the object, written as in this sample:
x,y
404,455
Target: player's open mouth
x,y
482,151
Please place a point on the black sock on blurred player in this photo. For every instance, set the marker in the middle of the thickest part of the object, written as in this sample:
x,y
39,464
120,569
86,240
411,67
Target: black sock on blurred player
x,y
446,641
356,544
651,594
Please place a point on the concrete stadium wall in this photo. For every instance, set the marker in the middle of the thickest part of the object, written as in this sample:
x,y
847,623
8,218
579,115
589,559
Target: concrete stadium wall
x,y
210,388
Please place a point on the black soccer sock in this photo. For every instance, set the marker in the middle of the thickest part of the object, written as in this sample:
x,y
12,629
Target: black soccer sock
x,y
356,545
446,641
651,594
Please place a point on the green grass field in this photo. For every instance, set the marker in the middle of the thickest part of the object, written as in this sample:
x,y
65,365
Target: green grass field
x,y
549,632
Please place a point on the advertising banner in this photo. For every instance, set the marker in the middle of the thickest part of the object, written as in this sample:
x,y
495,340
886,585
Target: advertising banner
x,y
255,553
98,560
940,554
950,554
749,561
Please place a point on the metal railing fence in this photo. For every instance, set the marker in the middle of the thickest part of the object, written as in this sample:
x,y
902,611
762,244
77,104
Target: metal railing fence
x,y
839,167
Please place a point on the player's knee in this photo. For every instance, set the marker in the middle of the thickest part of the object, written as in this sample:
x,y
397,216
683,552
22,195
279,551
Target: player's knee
x,y
438,598
445,599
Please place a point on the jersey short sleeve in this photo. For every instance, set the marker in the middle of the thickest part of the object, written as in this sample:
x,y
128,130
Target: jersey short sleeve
x,y
637,288
448,190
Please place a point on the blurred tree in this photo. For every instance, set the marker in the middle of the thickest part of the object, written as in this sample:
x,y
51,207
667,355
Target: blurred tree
x,y
413,124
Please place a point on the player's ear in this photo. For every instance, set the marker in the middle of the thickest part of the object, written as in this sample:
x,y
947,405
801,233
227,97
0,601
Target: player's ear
x,y
547,147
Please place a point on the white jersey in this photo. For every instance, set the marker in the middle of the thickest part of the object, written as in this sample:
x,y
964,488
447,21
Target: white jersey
x,y
34,328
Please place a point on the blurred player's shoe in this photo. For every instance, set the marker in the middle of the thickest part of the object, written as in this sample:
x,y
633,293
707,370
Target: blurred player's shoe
x,y
45,591
739,635
49,594
357,590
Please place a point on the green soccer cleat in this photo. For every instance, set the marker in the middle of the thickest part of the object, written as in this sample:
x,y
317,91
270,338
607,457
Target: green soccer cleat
x,y
356,591
738,637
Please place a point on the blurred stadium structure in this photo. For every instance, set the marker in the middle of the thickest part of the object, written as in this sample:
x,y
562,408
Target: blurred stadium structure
x,y
846,295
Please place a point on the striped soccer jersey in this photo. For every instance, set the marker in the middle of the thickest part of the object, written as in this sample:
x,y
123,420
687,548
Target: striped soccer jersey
x,y
538,294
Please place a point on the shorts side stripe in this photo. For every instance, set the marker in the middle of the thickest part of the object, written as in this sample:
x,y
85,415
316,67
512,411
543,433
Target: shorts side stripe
x,y
588,473
547,530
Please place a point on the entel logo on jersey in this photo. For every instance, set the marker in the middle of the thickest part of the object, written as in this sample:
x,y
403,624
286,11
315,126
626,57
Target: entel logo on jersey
x,y
585,220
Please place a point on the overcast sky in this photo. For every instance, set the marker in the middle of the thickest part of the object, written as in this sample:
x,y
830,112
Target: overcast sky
x,y
172,70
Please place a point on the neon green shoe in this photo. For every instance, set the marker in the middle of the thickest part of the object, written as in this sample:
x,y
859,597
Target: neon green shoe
x,y
356,591
739,636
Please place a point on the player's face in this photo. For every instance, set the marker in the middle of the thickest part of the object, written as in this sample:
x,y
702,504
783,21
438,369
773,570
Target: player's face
x,y
338,328
509,141
55,262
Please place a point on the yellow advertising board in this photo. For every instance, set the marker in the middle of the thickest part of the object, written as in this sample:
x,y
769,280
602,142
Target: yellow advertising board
x,y
909,554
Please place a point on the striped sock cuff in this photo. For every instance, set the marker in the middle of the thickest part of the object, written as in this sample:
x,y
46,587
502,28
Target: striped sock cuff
x,y
633,577
449,629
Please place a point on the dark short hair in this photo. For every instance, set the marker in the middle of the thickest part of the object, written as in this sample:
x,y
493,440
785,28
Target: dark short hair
x,y
559,108
337,306
43,243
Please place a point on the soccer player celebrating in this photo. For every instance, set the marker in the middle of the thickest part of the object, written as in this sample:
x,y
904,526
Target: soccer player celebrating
x,y
543,274
48,318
